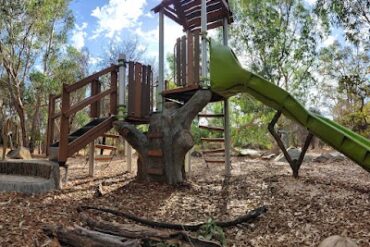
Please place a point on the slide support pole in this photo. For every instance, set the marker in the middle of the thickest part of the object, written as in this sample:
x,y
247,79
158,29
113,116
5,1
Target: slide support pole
x,y
227,113
294,163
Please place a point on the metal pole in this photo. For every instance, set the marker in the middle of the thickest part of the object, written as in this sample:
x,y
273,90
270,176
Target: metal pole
x,y
122,86
204,44
161,62
91,159
227,114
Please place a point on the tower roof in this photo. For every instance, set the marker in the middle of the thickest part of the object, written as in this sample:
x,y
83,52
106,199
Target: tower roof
x,y
187,13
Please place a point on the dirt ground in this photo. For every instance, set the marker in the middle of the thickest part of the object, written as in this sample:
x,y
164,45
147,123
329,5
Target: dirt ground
x,y
329,199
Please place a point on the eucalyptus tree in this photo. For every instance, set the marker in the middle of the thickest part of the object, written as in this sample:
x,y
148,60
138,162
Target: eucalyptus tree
x,y
30,31
351,15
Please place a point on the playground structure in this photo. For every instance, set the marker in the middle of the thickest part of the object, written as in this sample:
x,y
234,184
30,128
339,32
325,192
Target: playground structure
x,y
192,62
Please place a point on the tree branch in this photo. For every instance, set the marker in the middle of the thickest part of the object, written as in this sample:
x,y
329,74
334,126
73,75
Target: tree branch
x,y
190,110
128,131
247,218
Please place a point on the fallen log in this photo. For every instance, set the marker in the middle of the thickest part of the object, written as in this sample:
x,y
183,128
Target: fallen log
x,y
81,237
247,218
144,233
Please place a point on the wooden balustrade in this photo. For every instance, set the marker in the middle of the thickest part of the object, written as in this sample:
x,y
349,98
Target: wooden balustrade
x,y
187,59
139,106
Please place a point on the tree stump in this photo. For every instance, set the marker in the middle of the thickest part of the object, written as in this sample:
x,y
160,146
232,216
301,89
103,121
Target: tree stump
x,y
163,148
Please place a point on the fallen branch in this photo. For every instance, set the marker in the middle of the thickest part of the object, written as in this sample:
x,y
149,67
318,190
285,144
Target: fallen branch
x,y
144,233
249,217
81,237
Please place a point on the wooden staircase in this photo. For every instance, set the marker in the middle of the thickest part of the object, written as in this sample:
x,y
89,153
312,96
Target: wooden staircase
x,y
213,148
140,80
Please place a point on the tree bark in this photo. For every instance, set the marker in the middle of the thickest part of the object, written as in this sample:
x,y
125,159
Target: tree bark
x,y
163,148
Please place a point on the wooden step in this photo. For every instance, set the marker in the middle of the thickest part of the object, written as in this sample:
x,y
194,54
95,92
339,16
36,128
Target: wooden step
x,y
155,135
111,135
214,161
102,146
212,128
213,151
212,139
206,115
155,170
103,158
155,153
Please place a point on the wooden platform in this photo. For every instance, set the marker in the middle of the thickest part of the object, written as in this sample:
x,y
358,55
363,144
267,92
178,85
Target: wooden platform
x,y
183,94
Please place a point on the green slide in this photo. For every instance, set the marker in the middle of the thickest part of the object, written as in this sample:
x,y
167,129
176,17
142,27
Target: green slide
x,y
229,78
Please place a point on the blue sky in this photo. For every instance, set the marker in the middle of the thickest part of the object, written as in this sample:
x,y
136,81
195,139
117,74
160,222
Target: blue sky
x,y
99,22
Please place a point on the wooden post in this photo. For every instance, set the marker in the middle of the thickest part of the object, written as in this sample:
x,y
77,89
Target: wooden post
x,y
128,153
92,159
64,127
50,128
95,107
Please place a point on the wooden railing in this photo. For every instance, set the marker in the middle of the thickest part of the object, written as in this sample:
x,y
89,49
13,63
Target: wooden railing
x,y
187,60
68,110
140,94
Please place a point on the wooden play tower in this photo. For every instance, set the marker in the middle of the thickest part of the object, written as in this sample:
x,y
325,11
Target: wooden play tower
x,y
191,61
125,91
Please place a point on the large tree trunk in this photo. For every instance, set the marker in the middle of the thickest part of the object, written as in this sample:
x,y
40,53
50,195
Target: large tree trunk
x,y
163,148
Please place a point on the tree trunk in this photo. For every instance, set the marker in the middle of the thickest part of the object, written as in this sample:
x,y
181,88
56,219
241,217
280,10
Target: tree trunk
x,y
35,128
163,148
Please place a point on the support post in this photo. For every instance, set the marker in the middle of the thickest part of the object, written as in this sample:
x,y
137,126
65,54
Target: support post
x,y
227,114
204,80
128,153
160,86
91,159
121,87
294,163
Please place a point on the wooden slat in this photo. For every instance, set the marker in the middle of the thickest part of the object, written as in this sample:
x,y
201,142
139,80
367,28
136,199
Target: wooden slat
x,y
89,136
212,128
131,89
211,17
155,135
148,91
212,139
196,12
196,59
178,62
79,106
206,115
214,161
155,153
145,92
214,151
102,146
155,170
103,158
87,80
190,63
183,61
138,89
111,135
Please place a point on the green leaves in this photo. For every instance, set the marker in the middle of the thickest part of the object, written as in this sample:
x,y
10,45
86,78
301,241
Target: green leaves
x,y
210,231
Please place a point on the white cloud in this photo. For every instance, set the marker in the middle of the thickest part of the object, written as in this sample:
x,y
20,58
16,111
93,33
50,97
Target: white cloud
x,y
117,15
78,36
94,60
311,2
172,31
329,41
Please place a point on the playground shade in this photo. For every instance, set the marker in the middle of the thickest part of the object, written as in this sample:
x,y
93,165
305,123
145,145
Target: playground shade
x,y
229,78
